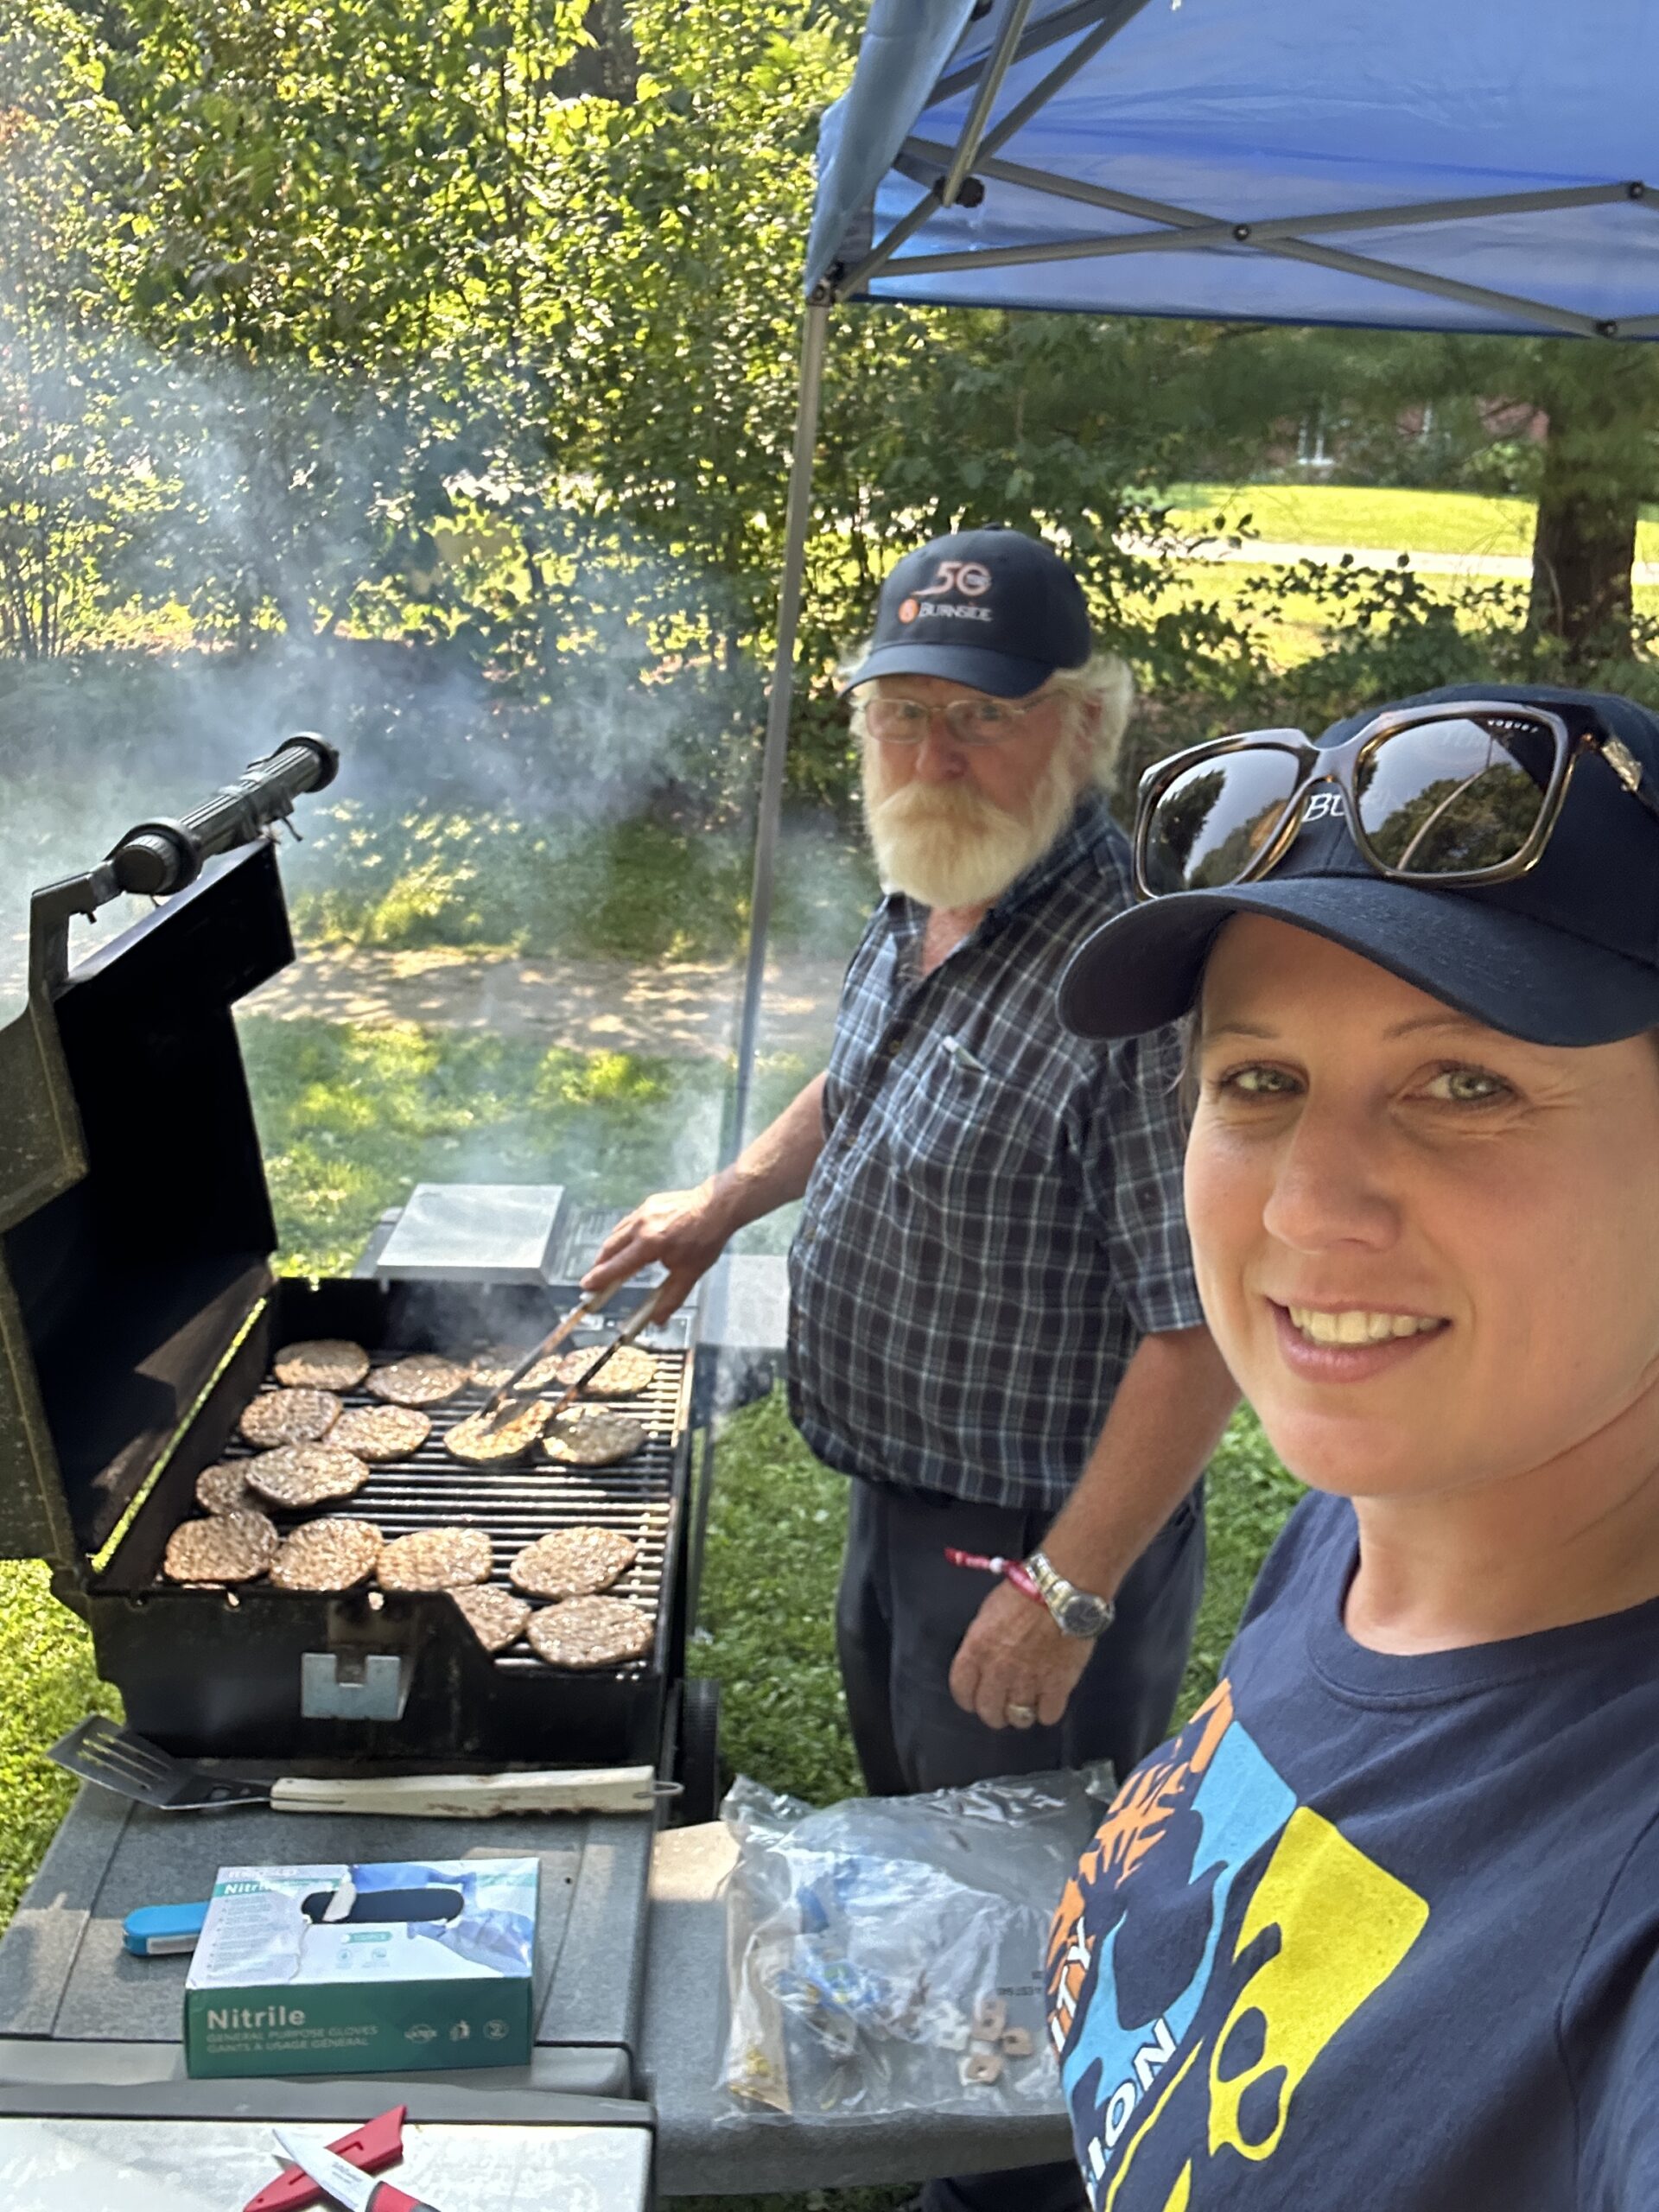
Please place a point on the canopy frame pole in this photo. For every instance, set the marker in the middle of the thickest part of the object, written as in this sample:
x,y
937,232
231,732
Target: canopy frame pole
x,y
1186,219
1048,32
1113,15
1118,16
769,812
979,115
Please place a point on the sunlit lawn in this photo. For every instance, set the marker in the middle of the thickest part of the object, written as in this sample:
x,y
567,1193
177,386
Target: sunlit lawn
x,y
1386,518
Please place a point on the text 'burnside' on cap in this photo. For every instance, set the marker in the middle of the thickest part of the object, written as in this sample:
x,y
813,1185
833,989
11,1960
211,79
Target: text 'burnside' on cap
x,y
993,609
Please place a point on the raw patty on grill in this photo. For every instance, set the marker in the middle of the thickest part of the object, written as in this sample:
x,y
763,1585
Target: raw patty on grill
x,y
225,1488
288,1417
624,1374
573,1562
306,1474
379,1433
495,1617
590,1632
590,1436
435,1558
421,1378
224,1547
321,1363
467,1442
335,1554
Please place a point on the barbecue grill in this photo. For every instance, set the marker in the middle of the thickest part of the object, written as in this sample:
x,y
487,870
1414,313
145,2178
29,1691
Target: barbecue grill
x,y
139,1314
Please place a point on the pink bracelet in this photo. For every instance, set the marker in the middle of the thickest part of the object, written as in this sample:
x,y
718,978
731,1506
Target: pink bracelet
x,y
1012,1570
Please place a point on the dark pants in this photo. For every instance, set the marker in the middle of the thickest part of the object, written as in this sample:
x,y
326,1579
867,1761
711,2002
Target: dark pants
x,y
902,1611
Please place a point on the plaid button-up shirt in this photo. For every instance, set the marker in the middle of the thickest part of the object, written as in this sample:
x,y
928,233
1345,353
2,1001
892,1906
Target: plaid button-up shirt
x,y
996,1219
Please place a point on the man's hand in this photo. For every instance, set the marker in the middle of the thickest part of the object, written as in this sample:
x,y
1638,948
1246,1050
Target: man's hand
x,y
1013,1658
686,1230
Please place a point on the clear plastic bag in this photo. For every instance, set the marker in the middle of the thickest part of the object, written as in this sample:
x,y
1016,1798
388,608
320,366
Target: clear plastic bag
x,y
887,1954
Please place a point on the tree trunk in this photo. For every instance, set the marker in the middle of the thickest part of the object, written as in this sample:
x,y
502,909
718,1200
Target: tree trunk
x,y
1583,545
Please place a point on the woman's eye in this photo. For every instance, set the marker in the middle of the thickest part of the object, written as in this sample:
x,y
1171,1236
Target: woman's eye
x,y
1257,1082
1465,1087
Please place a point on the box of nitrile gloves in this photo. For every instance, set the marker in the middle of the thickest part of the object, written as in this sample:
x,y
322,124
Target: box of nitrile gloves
x,y
363,1969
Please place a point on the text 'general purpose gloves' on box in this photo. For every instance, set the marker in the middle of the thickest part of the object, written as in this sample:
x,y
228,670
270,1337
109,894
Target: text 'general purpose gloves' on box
x,y
367,1969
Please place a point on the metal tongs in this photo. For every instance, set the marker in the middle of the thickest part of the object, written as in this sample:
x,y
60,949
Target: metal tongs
x,y
512,1395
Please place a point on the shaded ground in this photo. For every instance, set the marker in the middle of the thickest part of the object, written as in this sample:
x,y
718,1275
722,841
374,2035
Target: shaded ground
x,y
673,1009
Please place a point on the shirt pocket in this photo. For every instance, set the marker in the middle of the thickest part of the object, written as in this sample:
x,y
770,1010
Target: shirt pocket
x,y
970,1141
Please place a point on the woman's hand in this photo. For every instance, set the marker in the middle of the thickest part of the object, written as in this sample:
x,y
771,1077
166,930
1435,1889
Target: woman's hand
x,y
685,1231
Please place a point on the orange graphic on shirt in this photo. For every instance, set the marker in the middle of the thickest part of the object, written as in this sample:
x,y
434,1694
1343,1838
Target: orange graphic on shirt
x,y
1139,1814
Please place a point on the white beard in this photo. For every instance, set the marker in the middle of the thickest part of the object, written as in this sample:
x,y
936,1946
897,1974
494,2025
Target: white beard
x,y
948,845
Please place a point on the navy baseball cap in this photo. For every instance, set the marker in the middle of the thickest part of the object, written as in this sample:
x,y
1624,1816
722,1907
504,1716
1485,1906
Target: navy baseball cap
x,y
1567,955
992,609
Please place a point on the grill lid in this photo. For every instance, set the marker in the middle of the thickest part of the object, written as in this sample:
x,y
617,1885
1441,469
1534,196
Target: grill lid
x,y
135,1229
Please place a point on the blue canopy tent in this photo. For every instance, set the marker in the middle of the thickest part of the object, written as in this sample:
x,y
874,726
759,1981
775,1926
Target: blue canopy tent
x,y
1455,165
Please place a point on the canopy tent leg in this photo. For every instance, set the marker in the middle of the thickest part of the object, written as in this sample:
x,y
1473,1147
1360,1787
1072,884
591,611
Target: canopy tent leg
x,y
769,813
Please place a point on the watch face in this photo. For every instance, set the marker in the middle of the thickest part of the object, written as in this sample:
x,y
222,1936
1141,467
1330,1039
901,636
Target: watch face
x,y
1082,1615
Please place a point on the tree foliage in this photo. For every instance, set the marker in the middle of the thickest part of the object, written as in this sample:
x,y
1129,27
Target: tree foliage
x,y
473,324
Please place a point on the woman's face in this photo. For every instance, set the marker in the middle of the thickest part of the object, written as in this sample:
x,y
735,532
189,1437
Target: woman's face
x,y
1428,1251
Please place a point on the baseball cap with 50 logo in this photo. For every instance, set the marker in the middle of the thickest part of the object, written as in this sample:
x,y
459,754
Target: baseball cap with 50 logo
x,y
993,609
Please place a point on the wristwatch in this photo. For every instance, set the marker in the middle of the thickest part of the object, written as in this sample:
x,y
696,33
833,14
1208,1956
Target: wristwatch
x,y
1074,1611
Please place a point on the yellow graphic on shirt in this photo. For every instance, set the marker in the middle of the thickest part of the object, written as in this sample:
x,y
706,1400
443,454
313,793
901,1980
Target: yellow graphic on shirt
x,y
1344,1926
1218,1937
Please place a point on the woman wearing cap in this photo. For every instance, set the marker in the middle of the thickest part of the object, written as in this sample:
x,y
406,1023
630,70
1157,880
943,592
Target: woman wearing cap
x,y
1380,1926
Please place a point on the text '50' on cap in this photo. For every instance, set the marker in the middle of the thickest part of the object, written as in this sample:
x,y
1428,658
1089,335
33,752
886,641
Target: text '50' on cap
x,y
991,608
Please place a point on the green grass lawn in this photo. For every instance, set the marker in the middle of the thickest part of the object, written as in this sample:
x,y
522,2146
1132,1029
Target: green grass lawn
x,y
1395,520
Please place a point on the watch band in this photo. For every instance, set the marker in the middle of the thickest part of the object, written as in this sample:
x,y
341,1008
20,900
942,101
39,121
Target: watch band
x,y
1061,1597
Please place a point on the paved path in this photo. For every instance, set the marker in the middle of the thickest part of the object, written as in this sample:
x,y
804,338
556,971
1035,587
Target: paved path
x,y
680,1009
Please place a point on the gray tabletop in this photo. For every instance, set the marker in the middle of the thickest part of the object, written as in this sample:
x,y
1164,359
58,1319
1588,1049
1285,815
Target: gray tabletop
x,y
702,2146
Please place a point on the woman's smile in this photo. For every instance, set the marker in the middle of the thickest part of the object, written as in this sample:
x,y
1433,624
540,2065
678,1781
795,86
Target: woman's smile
x,y
1348,1343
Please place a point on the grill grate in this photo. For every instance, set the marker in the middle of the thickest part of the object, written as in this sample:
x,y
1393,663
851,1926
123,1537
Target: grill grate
x,y
516,1505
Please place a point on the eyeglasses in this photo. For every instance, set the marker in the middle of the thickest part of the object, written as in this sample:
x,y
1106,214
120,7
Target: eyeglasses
x,y
1446,795
970,721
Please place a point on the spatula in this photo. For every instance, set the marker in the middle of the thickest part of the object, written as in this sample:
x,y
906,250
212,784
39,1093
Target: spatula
x,y
98,1750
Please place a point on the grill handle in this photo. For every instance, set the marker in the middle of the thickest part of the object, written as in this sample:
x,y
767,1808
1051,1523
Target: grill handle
x,y
471,1796
156,857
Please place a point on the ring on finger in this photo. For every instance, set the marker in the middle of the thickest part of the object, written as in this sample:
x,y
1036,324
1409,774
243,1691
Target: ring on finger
x,y
1022,1716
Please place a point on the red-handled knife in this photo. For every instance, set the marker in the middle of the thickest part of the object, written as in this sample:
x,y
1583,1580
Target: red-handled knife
x,y
347,2184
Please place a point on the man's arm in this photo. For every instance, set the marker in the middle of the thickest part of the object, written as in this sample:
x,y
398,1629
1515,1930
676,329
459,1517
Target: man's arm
x,y
1165,1423
688,1230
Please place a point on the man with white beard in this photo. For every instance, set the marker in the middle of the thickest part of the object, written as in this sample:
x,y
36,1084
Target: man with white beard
x,y
993,1326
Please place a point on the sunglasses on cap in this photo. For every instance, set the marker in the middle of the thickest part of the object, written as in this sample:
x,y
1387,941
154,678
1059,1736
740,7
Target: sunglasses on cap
x,y
1446,795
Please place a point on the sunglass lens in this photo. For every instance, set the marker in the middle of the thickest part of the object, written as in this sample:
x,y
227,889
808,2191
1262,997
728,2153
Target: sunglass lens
x,y
1210,824
1454,796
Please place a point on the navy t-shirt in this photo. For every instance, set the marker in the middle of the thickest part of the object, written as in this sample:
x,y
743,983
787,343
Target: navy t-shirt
x,y
1376,1932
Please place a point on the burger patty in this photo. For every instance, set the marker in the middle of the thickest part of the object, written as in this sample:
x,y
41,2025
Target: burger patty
x,y
306,1474
321,1363
379,1433
288,1417
335,1554
225,1488
435,1558
589,1436
624,1374
573,1562
493,1367
226,1548
476,1445
420,1378
590,1632
495,1617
